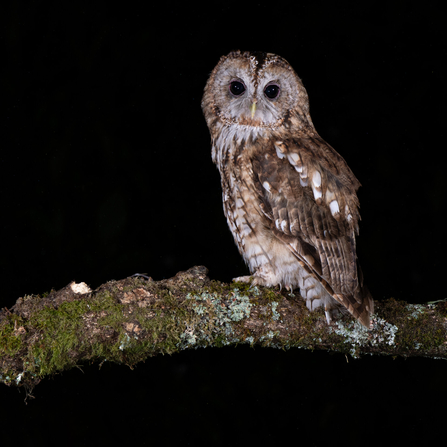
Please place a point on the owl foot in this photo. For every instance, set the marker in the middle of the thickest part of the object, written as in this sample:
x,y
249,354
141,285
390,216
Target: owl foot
x,y
259,278
247,279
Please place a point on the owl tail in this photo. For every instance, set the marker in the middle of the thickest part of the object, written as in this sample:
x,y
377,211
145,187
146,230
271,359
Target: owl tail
x,y
362,307
317,292
367,308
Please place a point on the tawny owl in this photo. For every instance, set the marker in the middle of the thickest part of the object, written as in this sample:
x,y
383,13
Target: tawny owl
x,y
289,198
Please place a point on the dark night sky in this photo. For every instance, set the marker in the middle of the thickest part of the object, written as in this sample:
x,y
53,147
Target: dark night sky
x,y
107,171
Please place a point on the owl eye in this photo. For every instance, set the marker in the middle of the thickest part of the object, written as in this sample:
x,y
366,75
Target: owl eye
x,y
271,91
237,88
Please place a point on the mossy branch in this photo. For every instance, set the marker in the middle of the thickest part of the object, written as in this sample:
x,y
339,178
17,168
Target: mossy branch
x,y
129,320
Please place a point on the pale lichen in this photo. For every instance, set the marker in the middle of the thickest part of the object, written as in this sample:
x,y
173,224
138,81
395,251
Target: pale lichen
x,y
215,316
269,336
189,338
416,310
199,309
359,337
239,307
275,315
382,332
353,333
254,290
125,342
19,377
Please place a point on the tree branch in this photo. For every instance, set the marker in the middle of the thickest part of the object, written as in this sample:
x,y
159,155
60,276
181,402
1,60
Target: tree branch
x,y
129,320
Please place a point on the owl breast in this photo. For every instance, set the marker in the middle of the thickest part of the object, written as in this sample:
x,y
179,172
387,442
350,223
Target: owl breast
x,y
248,217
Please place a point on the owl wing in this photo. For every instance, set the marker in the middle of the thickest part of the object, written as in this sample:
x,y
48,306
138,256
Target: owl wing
x,y
308,193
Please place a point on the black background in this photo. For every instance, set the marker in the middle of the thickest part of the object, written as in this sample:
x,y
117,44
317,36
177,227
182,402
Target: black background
x,y
106,171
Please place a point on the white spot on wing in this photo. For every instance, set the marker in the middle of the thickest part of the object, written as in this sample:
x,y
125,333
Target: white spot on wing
x,y
279,153
283,226
334,207
277,223
316,185
348,214
317,194
316,179
267,186
294,158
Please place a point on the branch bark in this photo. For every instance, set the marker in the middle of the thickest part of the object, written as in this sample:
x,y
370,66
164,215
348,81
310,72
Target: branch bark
x,y
129,320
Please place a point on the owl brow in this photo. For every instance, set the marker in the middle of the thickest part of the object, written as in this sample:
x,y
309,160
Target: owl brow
x,y
257,61
259,57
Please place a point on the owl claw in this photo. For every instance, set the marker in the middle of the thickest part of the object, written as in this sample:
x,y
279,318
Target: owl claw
x,y
328,316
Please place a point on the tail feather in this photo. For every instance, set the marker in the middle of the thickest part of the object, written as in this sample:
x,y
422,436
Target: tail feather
x,y
362,308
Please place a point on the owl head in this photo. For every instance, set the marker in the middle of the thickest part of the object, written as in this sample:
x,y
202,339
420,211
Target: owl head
x,y
254,89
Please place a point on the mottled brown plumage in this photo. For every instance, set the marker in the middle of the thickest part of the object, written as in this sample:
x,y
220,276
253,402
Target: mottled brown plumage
x,y
289,197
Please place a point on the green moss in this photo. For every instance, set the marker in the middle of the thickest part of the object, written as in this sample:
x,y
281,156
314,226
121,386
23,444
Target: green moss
x,y
243,287
57,329
10,336
417,329
59,335
422,332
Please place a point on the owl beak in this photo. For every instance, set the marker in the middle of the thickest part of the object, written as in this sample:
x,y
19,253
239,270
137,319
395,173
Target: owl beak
x,y
253,110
